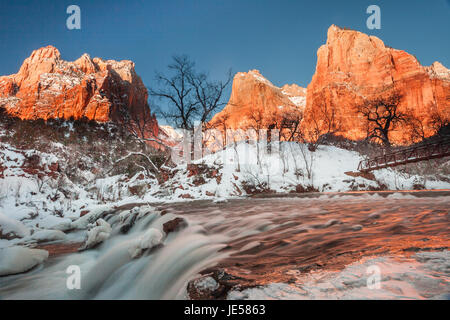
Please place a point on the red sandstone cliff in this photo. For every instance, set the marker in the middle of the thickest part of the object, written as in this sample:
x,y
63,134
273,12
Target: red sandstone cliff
x,y
48,87
251,91
353,67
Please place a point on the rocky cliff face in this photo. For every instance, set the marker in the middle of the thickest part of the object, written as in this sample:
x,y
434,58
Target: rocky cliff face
x,y
252,92
48,87
353,67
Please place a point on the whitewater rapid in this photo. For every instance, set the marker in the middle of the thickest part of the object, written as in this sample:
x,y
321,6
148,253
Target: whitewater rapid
x,y
305,248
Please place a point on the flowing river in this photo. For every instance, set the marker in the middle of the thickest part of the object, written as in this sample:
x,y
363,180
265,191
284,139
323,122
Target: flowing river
x,y
321,246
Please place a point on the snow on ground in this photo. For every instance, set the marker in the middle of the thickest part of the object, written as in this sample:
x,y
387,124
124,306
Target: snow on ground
x,y
11,228
39,204
282,170
424,276
20,259
36,201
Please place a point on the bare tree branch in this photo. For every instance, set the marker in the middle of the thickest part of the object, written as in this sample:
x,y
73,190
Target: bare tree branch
x,y
382,116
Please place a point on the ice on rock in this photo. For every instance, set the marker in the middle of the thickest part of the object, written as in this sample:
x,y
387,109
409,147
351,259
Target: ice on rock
x,y
98,232
11,228
18,259
206,284
46,235
55,223
151,238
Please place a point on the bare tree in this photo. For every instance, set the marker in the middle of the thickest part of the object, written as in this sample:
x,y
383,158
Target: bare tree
x,y
154,168
324,117
140,125
221,123
438,122
382,116
256,123
416,127
311,135
326,114
289,127
190,96
177,92
256,120
208,94
308,156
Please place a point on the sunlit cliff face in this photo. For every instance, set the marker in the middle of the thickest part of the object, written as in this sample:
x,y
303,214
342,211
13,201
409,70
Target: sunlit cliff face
x,y
353,67
48,87
254,96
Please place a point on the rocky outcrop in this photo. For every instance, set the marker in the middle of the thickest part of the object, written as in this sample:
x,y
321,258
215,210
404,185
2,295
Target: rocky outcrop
x,y
48,87
251,92
353,67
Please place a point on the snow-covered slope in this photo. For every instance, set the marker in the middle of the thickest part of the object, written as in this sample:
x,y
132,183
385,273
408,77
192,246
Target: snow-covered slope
x,y
290,167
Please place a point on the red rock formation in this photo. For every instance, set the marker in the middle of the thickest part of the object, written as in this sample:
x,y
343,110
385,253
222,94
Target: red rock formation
x,y
251,91
48,87
353,67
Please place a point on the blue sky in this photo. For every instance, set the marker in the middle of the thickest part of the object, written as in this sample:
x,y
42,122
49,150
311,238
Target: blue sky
x,y
280,38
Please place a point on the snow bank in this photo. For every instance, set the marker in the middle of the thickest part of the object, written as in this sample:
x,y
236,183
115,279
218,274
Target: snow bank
x,y
423,276
20,259
11,228
55,223
45,235
286,167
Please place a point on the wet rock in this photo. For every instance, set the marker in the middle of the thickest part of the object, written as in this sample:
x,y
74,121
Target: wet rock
x,y
374,215
128,221
204,288
57,249
174,225
213,285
